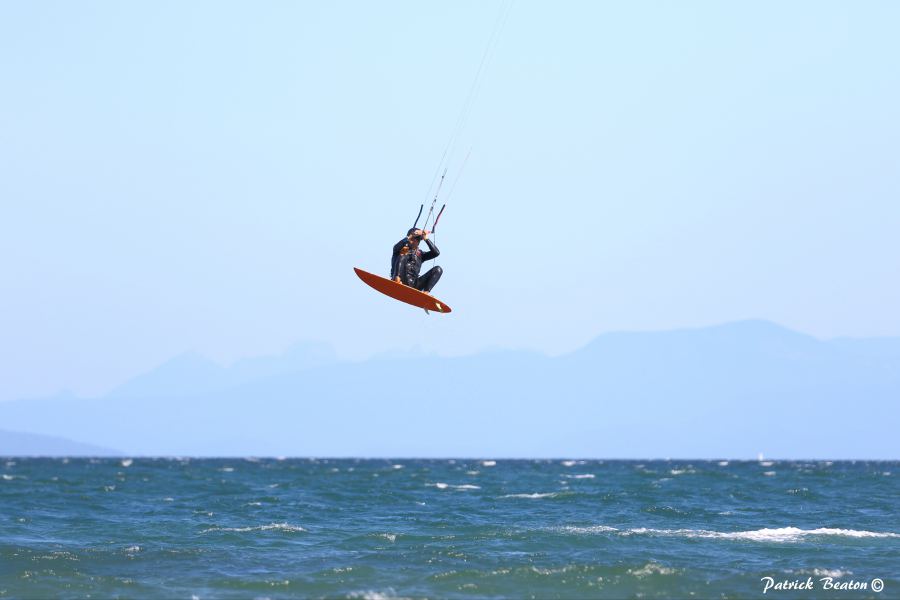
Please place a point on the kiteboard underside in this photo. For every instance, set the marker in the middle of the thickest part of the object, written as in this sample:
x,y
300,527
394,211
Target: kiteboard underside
x,y
401,292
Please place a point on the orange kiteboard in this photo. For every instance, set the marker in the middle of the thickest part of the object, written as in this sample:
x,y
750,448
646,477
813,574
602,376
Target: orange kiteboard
x,y
401,292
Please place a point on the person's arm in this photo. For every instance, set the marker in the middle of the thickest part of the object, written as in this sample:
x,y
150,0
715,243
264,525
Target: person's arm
x,y
395,255
399,246
432,253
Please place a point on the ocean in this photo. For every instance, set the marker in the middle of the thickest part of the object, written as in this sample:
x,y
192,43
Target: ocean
x,y
316,528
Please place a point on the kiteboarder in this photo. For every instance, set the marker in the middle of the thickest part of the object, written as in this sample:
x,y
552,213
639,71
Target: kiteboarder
x,y
407,259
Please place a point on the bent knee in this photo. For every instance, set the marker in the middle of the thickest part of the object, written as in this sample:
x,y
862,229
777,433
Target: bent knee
x,y
438,271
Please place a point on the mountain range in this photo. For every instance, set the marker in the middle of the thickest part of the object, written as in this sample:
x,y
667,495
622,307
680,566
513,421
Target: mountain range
x,y
729,391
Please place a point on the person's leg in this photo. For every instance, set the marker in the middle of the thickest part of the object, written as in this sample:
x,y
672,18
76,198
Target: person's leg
x,y
426,282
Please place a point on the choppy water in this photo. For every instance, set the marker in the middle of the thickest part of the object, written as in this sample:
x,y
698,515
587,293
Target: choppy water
x,y
246,528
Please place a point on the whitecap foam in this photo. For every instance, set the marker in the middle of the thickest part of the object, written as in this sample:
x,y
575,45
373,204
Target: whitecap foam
x,y
227,469
443,486
588,529
780,534
766,463
489,463
723,463
126,462
568,463
769,473
652,569
534,496
269,527
397,466
388,594
835,573
580,476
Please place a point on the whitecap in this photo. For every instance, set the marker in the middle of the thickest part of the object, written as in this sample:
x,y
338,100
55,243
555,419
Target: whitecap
x,y
472,472
723,463
766,463
835,573
588,529
568,463
769,473
534,496
580,476
397,466
391,537
373,595
132,549
127,462
781,534
652,569
269,527
489,463
227,469
443,486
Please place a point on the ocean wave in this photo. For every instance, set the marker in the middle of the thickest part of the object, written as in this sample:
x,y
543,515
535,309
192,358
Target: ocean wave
x,y
532,496
489,463
388,594
580,476
270,527
587,529
652,569
443,486
780,534
836,573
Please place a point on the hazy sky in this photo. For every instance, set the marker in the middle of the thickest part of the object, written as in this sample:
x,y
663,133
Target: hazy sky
x,y
203,176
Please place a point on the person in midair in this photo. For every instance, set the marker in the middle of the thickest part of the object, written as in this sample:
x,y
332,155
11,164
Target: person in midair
x,y
407,259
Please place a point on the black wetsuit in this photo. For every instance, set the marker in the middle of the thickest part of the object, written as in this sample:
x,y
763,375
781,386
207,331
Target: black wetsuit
x,y
407,266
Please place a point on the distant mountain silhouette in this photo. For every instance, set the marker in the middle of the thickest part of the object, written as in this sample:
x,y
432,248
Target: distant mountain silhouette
x,y
727,391
189,374
14,443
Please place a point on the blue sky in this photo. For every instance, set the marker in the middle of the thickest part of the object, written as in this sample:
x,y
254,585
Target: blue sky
x,y
205,175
